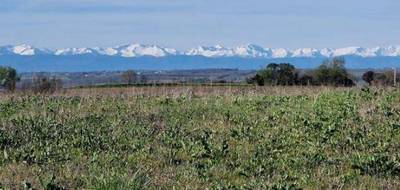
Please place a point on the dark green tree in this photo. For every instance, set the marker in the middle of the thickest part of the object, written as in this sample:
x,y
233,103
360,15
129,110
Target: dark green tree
x,y
8,78
306,80
368,77
276,74
256,79
333,72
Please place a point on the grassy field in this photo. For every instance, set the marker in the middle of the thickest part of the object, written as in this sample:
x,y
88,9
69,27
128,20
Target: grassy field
x,y
201,138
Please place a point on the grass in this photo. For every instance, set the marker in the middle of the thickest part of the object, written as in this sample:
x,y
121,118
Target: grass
x,y
190,138
216,84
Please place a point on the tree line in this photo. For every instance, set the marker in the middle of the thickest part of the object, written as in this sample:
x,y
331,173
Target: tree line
x,y
329,73
42,83
39,83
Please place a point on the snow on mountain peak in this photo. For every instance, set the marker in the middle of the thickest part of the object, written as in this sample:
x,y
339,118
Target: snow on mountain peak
x,y
246,51
326,52
280,53
389,51
25,49
129,50
74,51
356,51
106,51
135,50
348,51
306,52
211,51
252,50
249,50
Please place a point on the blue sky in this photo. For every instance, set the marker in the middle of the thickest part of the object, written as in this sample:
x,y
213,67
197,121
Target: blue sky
x,y
188,23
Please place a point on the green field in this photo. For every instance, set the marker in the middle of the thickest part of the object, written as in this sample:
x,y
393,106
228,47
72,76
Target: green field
x,y
335,139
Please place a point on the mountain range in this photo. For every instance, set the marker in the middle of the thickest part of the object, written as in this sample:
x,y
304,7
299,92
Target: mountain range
x,y
143,57
246,51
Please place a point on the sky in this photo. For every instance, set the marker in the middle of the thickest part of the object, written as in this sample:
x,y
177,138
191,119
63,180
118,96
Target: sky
x,y
183,24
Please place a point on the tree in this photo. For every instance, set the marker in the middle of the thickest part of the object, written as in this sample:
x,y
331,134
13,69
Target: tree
x,y
368,77
129,76
257,79
333,72
8,78
276,74
287,74
306,80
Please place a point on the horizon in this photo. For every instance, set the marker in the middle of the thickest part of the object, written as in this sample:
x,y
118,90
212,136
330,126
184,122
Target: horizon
x,y
186,24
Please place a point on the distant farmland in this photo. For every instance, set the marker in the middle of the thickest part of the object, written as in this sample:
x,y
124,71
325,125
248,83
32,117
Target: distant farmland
x,y
206,76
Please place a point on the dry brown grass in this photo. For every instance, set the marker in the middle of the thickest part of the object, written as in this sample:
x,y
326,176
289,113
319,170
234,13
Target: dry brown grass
x,y
201,91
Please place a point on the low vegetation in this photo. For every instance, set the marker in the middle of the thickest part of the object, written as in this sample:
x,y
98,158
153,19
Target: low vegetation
x,y
335,139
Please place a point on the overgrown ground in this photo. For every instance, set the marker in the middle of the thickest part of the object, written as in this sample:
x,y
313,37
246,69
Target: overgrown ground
x,y
342,138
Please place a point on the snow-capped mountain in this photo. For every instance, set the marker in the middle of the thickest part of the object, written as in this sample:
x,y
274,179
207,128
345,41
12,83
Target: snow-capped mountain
x,y
306,52
280,53
130,50
254,51
75,51
26,58
244,51
249,50
212,51
137,50
22,49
